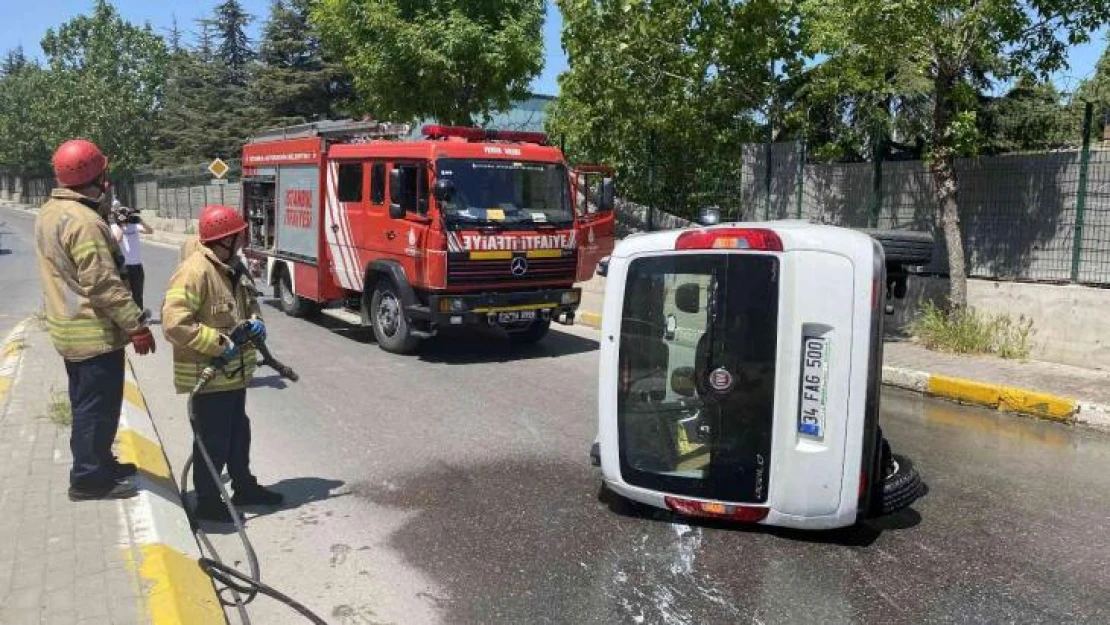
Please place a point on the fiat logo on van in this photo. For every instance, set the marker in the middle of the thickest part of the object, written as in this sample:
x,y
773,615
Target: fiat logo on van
x,y
519,266
721,380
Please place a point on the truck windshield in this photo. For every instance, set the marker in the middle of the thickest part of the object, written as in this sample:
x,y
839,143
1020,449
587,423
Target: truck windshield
x,y
505,192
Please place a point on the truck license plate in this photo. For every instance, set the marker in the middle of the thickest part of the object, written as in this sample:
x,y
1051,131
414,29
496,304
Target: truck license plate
x,y
516,316
815,373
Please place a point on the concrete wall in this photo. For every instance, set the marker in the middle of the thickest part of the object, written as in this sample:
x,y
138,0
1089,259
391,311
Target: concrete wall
x,y
1070,321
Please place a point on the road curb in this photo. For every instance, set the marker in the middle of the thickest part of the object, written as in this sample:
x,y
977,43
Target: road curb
x,y
177,591
988,395
11,355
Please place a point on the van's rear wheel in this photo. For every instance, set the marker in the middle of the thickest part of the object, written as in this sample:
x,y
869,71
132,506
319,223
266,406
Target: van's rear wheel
x,y
387,317
291,303
902,484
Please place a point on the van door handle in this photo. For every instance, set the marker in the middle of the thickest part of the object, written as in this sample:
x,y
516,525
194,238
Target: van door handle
x,y
391,235
335,227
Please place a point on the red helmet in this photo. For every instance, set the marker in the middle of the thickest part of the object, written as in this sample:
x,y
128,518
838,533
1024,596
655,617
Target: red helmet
x,y
217,222
78,162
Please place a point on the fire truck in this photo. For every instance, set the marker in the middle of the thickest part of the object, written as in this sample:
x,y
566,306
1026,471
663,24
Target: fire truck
x,y
408,233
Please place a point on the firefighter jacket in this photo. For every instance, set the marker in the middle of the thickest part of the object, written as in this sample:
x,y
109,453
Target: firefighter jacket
x,y
206,300
89,310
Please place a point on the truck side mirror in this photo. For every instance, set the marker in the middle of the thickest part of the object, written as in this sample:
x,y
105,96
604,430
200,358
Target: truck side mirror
x,y
608,195
396,211
444,190
603,267
687,298
709,216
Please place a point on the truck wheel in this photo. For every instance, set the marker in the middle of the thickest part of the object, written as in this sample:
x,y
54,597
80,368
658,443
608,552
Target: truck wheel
x,y
902,484
534,333
903,247
387,317
291,303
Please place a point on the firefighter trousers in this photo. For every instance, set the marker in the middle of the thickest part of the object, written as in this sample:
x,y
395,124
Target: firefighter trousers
x,y
224,428
95,397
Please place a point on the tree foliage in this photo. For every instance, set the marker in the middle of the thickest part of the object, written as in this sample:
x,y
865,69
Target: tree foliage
x,y
678,82
453,60
943,52
234,50
106,81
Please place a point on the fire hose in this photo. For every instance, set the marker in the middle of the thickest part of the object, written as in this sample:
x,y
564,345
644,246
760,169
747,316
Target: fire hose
x,y
243,587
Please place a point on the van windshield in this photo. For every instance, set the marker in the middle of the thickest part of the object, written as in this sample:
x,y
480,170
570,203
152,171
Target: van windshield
x,y
696,384
505,193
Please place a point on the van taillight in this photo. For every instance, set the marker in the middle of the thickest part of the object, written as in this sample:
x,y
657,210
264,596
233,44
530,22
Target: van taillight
x,y
690,507
730,239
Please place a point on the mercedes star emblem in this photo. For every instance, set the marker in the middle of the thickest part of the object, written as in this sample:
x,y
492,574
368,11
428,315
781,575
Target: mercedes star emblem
x,y
519,266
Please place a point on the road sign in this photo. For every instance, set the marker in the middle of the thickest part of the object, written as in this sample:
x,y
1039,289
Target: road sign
x,y
218,168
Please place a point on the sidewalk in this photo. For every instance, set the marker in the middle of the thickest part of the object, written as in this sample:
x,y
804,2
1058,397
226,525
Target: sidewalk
x,y
119,562
1033,388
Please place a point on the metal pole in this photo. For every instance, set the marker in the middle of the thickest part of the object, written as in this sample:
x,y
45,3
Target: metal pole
x,y
767,177
651,182
801,174
1081,194
877,178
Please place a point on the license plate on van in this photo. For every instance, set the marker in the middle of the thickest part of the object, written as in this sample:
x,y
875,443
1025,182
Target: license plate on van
x,y
516,316
815,373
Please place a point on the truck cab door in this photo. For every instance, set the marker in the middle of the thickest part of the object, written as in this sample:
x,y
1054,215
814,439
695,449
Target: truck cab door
x,y
592,194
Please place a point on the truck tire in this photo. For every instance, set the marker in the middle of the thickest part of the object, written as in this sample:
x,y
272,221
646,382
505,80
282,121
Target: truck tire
x,y
291,303
534,333
387,317
903,247
902,485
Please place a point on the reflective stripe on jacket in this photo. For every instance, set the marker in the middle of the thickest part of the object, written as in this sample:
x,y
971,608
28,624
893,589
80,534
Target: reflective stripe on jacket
x,y
89,309
204,302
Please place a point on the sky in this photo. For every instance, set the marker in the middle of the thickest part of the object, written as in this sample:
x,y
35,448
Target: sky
x,y
23,22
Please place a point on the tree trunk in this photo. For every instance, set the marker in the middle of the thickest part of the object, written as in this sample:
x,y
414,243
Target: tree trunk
x,y
943,170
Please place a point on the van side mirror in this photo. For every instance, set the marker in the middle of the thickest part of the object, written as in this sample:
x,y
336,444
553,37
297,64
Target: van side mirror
x,y
444,190
608,195
396,211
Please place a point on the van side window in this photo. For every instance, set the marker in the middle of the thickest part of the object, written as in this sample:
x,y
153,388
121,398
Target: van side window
x,y
414,189
377,184
350,182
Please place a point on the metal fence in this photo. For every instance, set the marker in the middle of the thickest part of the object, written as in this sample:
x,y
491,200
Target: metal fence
x,y
180,192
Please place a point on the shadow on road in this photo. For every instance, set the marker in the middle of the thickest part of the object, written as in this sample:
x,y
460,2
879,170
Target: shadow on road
x,y
298,491
472,345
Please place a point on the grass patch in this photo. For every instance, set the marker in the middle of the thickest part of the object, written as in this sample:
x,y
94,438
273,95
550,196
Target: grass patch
x,y
58,409
968,331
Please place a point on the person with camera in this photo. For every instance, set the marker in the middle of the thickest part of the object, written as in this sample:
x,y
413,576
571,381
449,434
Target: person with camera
x,y
127,225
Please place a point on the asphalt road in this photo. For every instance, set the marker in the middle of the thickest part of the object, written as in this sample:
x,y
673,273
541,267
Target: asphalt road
x,y
455,487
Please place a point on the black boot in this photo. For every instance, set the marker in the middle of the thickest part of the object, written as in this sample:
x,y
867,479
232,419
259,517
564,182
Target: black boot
x,y
212,510
257,496
119,489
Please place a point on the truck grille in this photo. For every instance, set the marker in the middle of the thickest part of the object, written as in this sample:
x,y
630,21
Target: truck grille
x,y
462,270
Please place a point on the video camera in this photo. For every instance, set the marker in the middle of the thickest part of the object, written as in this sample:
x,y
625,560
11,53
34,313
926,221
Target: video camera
x,y
125,215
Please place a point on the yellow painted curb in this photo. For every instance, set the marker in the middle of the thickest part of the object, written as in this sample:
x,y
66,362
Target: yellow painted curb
x,y
1003,398
590,319
133,396
143,453
180,592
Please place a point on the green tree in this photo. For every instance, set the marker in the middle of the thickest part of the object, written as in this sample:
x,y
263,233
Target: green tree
x,y
234,49
29,105
1030,116
940,50
451,60
295,81
110,75
682,82
14,61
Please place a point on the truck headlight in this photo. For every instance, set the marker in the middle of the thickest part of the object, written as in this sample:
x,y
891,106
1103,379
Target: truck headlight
x,y
570,297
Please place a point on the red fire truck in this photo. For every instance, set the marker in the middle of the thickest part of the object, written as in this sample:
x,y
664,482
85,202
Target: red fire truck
x,y
460,226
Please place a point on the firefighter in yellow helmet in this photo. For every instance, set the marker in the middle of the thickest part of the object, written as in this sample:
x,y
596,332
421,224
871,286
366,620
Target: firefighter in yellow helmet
x,y
90,314
208,297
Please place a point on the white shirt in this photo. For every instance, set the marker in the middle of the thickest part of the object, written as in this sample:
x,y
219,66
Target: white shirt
x,y
129,244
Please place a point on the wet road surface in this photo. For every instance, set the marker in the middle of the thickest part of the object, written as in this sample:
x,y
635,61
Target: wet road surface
x,y
455,487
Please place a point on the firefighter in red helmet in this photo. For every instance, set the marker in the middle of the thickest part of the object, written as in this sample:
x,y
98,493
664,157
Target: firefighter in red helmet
x,y
90,315
208,296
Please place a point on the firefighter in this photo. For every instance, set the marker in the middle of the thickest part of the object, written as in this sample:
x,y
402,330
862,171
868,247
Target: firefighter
x,y
208,297
90,315
187,248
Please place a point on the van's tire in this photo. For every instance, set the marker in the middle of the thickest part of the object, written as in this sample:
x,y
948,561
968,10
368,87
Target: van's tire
x,y
534,333
291,303
903,247
387,318
902,484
